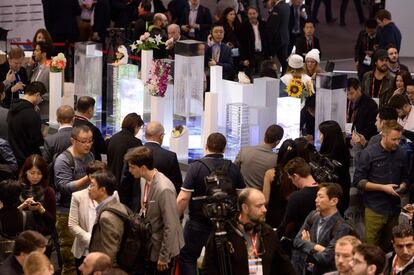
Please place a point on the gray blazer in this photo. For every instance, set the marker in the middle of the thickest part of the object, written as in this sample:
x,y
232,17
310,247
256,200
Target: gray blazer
x,y
41,74
167,233
79,222
108,230
253,162
56,143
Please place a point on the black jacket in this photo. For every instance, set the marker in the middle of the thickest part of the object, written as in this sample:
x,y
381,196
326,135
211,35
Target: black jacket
x,y
118,145
301,20
11,266
99,145
278,26
302,48
274,259
225,60
388,270
4,69
24,124
364,119
203,19
247,47
141,24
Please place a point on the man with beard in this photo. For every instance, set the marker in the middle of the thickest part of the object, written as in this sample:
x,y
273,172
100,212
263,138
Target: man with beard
x,y
343,255
379,83
368,260
402,260
404,110
381,174
394,65
249,237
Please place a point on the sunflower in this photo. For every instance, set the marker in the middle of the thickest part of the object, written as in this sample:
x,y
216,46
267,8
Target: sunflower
x,y
294,88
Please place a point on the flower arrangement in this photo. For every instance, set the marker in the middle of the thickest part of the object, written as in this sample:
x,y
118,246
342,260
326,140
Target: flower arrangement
x,y
58,63
177,131
160,75
146,42
296,88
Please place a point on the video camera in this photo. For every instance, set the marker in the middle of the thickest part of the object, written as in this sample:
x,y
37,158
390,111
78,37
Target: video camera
x,y
323,168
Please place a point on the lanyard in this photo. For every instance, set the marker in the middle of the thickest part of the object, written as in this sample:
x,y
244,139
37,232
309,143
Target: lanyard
x,y
394,266
254,244
147,190
373,86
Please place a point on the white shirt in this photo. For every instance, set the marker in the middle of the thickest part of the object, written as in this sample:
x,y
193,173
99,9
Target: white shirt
x,y
408,121
257,40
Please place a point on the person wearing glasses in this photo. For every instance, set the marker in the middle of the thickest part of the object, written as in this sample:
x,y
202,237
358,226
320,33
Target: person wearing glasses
x,y
24,124
253,245
70,176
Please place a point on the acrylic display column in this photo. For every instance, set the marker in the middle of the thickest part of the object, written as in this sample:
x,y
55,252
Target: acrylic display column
x,y
146,63
55,96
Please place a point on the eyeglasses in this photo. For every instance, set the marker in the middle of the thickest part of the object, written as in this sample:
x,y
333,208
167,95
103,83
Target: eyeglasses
x,y
84,141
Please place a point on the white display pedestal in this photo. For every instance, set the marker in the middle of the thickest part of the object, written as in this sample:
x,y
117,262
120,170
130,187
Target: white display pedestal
x,y
330,101
55,96
146,63
288,116
162,110
179,145
210,118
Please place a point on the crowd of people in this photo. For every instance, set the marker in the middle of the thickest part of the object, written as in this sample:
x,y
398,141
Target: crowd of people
x,y
75,196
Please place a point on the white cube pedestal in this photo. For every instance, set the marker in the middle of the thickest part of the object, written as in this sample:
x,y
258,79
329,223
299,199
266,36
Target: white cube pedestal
x,y
288,116
55,96
210,118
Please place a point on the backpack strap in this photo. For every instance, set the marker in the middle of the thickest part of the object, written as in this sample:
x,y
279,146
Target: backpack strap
x,y
211,167
69,156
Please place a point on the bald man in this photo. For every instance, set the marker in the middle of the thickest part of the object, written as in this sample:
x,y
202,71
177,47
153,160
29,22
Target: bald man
x,y
174,35
95,262
165,162
159,28
249,235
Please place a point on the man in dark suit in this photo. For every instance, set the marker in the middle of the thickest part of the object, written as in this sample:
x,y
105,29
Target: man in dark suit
x,y
321,229
218,53
102,20
86,109
13,75
253,42
196,21
159,28
278,30
164,161
308,41
299,13
59,142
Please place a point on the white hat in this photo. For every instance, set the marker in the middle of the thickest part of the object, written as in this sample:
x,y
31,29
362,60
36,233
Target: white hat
x,y
295,61
314,54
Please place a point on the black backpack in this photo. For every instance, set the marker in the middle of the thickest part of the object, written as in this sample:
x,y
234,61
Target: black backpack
x,y
136,244
220,188
7,242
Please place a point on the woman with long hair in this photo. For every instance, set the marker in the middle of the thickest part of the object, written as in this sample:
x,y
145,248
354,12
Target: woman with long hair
x,y
400,83
37,196
42,35
231,26
333,147
277,186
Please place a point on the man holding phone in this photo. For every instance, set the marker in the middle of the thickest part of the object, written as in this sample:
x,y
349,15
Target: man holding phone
x,y
13,75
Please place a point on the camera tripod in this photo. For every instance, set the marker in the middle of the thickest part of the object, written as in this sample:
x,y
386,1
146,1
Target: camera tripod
x,y
220,238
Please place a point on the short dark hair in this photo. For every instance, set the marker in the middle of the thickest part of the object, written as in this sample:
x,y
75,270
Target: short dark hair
x,y
371,23
65,114
105,178
140,156
309,21
273,133
353,83
146,5
132,121
391,46
410,82
78,129
216,143
45,47
398,101
387,112
215,25
84,103
298,166
402,231
35,87
373,255
383,14
333,190
252,8
95,166
10,191
28,241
